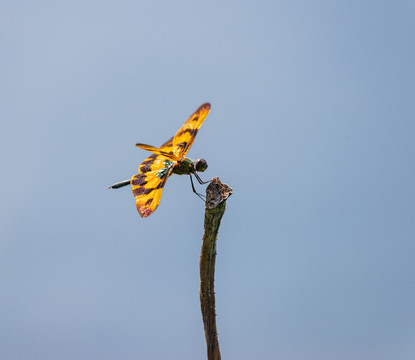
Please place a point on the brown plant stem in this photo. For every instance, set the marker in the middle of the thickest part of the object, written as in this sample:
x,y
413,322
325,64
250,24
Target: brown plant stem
x,y
216,195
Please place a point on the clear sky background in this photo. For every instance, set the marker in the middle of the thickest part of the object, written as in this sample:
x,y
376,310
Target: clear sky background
x,y
312,125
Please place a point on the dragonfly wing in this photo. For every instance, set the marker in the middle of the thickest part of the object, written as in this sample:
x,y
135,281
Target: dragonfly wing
x,y
158,151
148,185
185,136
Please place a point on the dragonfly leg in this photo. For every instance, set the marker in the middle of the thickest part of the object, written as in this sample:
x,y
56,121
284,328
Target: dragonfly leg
x,y
120,184
201,182
194,190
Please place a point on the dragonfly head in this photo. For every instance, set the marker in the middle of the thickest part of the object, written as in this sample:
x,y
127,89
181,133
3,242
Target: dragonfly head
x,y
200,165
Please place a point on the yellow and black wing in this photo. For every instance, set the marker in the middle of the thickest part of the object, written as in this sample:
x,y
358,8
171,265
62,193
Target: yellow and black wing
x,y
183,140
148,184
159,151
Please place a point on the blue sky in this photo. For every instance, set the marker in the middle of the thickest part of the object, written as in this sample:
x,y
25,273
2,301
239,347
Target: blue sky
x,y
312,125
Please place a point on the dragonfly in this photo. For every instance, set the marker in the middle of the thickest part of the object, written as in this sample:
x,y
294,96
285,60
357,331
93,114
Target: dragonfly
x,y
170,158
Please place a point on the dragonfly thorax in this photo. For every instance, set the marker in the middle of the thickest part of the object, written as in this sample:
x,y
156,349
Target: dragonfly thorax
x,y
189,166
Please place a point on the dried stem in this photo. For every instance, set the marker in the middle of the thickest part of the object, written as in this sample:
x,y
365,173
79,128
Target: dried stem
x,y
216,195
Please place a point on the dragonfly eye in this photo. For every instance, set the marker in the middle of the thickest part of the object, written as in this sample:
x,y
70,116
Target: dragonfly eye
x,y
201,165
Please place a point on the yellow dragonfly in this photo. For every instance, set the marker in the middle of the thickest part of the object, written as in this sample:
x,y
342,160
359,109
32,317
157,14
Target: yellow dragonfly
x,y
170,158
